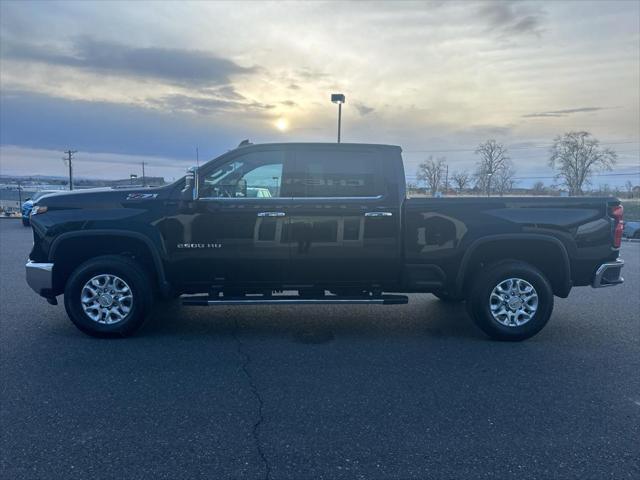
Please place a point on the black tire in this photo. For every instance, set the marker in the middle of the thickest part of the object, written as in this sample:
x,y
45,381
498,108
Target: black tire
x,y
26,222
479,308
128,270
447,297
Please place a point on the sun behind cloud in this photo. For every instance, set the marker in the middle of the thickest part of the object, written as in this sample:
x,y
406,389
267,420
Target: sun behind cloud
x,y
282,124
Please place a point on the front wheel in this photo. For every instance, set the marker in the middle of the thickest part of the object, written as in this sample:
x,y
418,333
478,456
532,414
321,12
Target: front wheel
x,y
511,300
108,296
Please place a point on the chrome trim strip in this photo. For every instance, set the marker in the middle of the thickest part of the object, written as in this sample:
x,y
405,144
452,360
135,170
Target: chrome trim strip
x,y
271,214
39,276
378,214
225,199
597,278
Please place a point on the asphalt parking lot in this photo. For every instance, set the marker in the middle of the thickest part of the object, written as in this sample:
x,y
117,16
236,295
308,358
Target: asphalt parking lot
x,y
371,392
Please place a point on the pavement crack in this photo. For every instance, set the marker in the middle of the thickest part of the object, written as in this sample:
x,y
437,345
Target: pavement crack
x,y
246,361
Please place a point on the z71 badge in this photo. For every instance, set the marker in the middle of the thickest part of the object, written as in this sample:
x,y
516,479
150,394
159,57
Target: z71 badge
x,y
141,196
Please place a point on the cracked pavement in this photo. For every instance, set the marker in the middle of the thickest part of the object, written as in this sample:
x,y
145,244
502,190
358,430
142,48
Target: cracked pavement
x,y
328,392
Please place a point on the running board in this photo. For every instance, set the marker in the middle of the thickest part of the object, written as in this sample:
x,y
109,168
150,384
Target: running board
x,y
205,300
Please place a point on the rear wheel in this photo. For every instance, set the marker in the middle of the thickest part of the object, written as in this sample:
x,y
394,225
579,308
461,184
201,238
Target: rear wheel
x,y
511,300
108,296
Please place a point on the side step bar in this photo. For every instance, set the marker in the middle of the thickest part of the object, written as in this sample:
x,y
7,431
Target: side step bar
x,y
206,300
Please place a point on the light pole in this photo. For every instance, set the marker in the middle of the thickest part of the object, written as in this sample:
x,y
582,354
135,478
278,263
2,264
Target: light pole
x,y
339,99
489,184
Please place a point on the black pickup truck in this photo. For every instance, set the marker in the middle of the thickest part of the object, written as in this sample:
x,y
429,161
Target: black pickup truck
x,y
311,224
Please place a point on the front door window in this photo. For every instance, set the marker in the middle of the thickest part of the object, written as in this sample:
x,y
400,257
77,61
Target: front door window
x,y
255,175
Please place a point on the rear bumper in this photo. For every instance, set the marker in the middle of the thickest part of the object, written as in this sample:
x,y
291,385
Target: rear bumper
x,y
608,274
40,277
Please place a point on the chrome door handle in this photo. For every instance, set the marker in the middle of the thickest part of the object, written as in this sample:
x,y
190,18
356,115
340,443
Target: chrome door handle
x,y
271,214
378,214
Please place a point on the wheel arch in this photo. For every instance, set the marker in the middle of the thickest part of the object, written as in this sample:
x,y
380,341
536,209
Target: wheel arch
x,y
71,249
552,260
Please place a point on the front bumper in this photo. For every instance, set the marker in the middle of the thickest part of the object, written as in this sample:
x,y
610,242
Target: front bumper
x,y
608,274
40,277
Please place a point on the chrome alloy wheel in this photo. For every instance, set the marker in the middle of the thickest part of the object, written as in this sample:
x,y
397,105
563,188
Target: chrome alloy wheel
x,y
513,302
106,299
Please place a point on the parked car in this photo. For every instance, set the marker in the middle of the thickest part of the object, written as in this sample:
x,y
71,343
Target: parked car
x,y
28,205
339,230
631,229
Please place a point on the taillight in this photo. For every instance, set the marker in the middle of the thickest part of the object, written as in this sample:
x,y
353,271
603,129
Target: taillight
x,y
617,213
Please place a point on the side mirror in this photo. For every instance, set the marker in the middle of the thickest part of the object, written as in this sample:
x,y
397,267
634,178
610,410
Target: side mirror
x,y
188,192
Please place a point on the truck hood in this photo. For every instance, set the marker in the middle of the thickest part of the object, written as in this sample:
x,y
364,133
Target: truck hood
x,y
103,197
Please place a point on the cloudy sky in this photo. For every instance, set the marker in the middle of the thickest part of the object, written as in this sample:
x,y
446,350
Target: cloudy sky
x,y
127,82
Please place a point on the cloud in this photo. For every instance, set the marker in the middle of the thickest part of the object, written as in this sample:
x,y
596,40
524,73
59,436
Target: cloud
x,y
178,66
563,113
44,122
512,18
363,109
227,91
206,105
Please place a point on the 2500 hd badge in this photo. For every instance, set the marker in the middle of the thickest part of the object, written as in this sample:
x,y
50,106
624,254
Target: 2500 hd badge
x,y
199,245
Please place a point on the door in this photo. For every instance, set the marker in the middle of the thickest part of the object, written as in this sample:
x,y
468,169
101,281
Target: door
x,y
344,229
234,237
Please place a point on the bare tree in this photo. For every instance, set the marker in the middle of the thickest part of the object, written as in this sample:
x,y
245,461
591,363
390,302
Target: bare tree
x,y
538,188
576,155
494,166
431,172
629,187
461,180
504,180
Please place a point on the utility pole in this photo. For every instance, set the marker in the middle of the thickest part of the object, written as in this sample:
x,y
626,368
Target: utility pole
x,y
144,178
69,160
19,195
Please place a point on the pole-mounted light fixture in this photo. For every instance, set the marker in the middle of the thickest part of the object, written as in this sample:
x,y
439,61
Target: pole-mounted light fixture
x,y
339,99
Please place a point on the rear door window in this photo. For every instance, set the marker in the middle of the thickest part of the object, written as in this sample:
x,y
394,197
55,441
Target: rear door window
x,y
327,173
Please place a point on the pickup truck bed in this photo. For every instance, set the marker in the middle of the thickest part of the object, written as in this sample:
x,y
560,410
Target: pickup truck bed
x,y
568,238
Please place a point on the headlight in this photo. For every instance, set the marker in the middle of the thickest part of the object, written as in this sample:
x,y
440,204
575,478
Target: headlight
x,y
37,209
